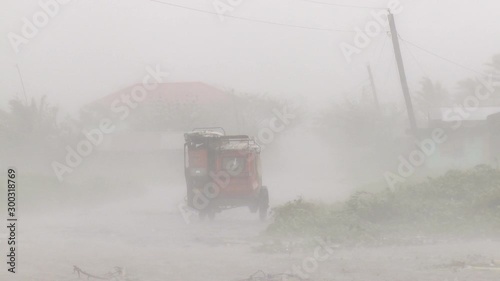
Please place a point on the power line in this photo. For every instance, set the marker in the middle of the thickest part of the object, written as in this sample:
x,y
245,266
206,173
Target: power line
x,y
441,57
344,5
387,67
22,82
414,58
358,86
381,51
362,84
416,96
253,20
388,70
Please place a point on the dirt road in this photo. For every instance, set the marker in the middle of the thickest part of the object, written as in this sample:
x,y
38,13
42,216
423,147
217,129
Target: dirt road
x,y
149,237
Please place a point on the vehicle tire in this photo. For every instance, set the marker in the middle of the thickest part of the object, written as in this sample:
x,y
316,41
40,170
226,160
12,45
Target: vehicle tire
x,y
263,203
208,212
189,197
254,208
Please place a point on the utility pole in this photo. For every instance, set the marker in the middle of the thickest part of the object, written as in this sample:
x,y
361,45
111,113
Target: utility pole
x,y
402,74
374,89
22,83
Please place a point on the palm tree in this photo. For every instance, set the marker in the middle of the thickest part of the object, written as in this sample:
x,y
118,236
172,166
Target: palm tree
x,y
495,64
29,121
468,87
431,94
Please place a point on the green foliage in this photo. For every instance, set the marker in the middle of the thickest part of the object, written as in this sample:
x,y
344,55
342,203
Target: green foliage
x,y
469,87
459,202
431,95
29,122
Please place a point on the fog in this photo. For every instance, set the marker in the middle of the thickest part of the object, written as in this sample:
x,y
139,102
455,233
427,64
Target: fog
x,y
115,166
86,52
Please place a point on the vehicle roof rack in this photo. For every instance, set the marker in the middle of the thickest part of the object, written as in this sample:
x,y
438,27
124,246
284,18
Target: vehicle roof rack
x,y
228,142
239,142
210,129
211,132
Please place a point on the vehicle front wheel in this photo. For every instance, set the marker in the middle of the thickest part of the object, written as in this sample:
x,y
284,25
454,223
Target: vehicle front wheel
x,y
263,203
207,213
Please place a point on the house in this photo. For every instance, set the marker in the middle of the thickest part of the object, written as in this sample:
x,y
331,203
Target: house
x,y
494,145
473,137
178,92
165,114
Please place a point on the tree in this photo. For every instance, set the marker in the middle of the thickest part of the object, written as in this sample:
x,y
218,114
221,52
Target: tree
x,y
469,86
29,122
430,95
363,139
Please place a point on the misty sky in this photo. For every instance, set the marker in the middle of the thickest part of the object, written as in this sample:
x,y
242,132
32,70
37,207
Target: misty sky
x,y
94,47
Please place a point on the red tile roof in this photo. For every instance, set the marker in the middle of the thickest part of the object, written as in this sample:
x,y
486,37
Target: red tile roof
x,y
179,92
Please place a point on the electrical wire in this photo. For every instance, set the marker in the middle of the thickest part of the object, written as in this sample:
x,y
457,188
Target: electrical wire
x,y
381,52
253,20
344,5
414,58
367,80
441,57
415,95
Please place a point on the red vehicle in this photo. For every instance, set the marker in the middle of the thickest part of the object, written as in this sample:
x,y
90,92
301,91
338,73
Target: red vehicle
x,y
223,171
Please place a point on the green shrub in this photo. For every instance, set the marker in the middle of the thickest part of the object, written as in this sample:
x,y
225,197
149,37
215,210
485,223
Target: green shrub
x,y
458,202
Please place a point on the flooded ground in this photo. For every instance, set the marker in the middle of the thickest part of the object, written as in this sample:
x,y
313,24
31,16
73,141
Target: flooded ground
x,y
148,237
